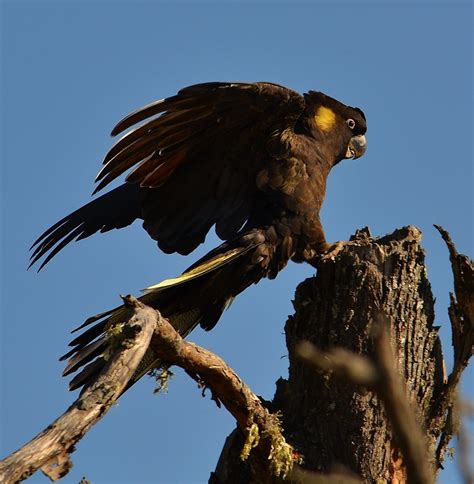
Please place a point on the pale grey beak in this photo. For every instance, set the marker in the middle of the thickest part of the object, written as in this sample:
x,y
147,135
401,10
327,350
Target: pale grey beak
x,y
357,147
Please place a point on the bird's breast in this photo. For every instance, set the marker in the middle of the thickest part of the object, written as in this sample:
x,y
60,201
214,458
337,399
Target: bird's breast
x,y
294,185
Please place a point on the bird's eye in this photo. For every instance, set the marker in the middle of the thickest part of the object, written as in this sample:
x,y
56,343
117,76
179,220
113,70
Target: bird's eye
x,y
351,123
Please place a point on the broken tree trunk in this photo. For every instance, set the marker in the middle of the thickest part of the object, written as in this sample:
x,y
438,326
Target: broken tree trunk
x,y
335,423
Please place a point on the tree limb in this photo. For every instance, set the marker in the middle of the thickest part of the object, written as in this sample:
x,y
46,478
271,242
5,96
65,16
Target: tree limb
x,y
445,420
50,450
260,427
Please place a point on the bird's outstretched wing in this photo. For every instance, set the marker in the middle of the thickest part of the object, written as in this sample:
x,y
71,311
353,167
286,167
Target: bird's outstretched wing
x,y
195,157
203,152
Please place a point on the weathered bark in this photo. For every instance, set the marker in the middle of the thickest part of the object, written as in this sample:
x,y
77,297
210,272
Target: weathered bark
x,y
50,450
333,422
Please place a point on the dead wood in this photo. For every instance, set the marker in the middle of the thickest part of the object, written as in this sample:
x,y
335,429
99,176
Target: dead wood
x,y
380,408
50,450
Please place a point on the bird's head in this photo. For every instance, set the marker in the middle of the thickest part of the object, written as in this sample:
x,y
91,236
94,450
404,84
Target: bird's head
x,y
338,129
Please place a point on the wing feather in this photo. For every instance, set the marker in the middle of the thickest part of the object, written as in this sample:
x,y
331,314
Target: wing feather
x,y
220,108
159,173
194,158
85,355
214,177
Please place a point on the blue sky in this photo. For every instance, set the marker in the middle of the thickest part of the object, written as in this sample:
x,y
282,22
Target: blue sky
x,y
70,70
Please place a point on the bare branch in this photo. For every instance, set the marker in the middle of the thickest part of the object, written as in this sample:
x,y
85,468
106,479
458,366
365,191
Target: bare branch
x,y
461,310
50,450
445,420
465,446
260,426
340,362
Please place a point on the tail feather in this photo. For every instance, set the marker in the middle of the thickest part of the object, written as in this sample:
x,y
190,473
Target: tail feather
x,y
87,354
206,266
199,296
88,335
91,320
214,313
89,372
115,209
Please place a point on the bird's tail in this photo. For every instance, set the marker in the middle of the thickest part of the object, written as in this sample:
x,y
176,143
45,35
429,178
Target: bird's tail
x,y
113,210
199,296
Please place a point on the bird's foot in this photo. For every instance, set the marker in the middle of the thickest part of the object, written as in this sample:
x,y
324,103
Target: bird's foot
x,y
333,250
329,252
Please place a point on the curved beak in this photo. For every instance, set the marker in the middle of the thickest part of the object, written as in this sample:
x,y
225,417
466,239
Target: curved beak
x,y
357,147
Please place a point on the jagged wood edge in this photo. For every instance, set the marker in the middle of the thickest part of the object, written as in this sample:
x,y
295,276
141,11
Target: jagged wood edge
x,y
445,422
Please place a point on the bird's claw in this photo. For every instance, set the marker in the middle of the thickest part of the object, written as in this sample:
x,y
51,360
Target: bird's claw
x,y
333,251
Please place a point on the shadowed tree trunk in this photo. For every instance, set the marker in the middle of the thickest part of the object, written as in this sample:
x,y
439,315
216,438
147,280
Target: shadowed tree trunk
x,y
336,425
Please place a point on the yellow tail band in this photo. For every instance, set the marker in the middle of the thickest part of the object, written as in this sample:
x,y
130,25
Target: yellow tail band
x,y
205,267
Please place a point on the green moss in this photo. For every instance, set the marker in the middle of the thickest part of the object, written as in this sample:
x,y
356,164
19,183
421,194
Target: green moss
x,y
282,455
251,441
162,375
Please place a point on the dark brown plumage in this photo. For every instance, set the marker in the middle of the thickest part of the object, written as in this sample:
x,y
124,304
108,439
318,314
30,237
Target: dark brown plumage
x,y
251,159
215,154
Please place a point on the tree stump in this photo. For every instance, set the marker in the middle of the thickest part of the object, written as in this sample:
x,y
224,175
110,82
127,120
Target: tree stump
x,y
334,423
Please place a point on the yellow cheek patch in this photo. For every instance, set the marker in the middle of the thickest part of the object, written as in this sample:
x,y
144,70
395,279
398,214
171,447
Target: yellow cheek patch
x,y
325,118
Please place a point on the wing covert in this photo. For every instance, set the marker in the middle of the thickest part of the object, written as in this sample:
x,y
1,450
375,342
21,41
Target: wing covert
x,y
197,155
